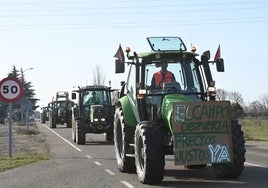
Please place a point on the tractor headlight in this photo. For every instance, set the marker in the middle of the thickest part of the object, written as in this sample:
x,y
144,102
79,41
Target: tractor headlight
x,y
212,91
102,119
141,93
95,119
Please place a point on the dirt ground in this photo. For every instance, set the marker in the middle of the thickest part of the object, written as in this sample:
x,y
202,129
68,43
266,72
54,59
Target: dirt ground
x,y
24,140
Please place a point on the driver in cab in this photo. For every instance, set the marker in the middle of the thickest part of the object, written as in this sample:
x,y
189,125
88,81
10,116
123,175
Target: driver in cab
x,y
94,99
162,76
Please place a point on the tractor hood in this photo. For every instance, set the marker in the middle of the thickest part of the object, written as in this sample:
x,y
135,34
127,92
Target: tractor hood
x,y
167,106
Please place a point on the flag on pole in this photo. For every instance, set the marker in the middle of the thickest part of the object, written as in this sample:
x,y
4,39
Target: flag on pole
x,y
218,53
120,54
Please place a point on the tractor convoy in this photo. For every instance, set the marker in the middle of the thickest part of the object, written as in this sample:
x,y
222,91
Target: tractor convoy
x,y
166,106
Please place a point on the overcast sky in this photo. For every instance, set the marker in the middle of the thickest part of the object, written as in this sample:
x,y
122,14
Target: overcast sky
x,y
64,40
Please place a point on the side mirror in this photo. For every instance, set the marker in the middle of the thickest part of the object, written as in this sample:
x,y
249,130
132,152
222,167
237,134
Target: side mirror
x,y
220,65
73,95
119,66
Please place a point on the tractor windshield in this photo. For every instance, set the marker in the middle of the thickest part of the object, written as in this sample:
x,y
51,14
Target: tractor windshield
x,y
166,44
61,104
96,97
175,77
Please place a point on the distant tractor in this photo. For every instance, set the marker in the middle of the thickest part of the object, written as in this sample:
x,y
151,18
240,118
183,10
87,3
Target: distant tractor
x,y
93,112
61,110
173,112
45,114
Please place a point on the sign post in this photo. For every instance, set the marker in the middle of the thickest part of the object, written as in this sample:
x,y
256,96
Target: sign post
x,y
11,90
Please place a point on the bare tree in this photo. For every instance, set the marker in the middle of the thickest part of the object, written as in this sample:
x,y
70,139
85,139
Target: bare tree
x,y
264,101
256,110
235,97
222,94
98,76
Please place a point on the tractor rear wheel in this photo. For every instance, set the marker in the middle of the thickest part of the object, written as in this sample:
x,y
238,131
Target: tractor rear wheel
x,y
234,169
123,135
149,153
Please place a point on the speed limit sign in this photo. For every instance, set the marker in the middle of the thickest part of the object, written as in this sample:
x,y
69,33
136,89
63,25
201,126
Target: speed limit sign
x,y
11,89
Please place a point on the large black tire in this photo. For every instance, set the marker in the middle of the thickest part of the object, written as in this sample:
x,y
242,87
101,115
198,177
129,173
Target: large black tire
x,y
80,133
123,136
149,153
43,120
53,122
69,119
109,136
234,169
50,119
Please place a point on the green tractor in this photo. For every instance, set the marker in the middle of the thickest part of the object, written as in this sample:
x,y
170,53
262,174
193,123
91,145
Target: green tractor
x,y
61,110
173,112
45,114
93,112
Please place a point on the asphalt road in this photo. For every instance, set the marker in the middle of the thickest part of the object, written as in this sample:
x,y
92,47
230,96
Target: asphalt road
x,y
94,165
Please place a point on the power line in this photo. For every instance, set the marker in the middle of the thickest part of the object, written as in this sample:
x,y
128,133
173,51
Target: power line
x,y
115,25
134,12
118,6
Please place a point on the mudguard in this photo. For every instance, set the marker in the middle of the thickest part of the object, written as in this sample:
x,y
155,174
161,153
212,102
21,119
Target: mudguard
x,y
167,106
129,116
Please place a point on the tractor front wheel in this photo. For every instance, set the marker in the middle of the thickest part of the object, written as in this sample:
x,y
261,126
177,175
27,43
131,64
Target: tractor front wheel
x,y
53,123
80,133
109,136
74,133
149,153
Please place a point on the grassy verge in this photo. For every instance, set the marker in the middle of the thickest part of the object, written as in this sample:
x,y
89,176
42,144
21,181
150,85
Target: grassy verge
x,y
21,159
254,130
28,150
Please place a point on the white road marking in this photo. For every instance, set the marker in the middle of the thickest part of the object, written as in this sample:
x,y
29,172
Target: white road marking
x,y
78,149
127,184
88,156
252,164
97,163
110,172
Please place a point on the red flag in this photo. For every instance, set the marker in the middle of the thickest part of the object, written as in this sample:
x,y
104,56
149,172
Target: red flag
x,y
218,53
120,54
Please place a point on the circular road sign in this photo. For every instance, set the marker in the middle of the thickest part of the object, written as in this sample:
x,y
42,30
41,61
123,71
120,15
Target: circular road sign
x,y
11,89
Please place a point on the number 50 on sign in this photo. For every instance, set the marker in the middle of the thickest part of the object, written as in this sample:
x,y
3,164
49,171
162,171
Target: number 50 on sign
x,y
11,89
